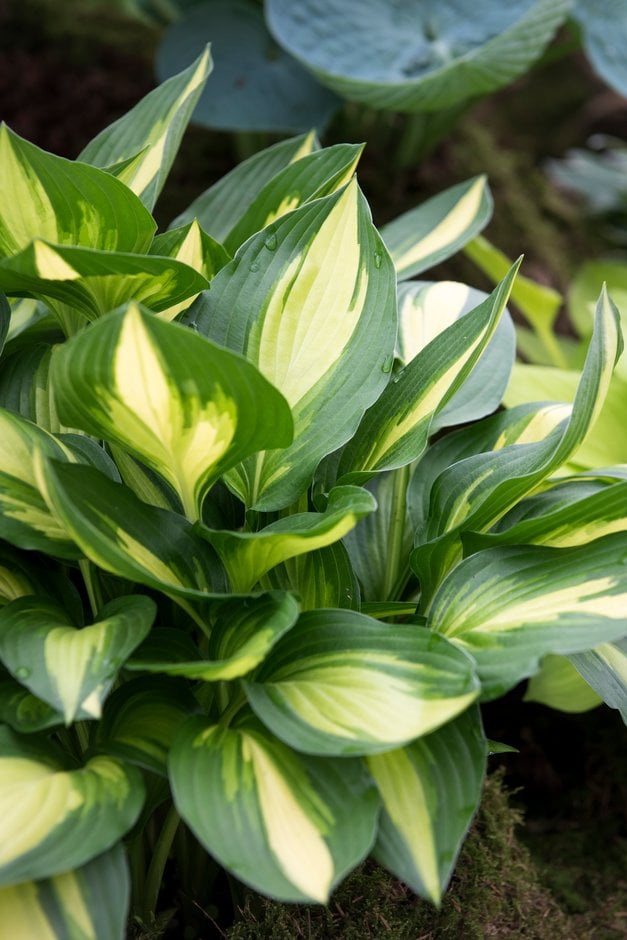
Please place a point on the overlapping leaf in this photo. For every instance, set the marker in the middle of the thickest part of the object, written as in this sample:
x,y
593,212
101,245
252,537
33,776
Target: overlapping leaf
x,y
88,903
433,231
341,683
311,302
54,819
558,685
71,669
510,606
153,129
605,669
247,556
430,791
187,408
274,818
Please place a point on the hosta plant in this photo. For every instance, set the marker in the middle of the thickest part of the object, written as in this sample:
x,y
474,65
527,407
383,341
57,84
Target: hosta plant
x,y
253,587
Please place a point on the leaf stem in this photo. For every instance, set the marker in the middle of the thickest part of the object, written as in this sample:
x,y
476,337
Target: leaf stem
x,y
157,865
396,533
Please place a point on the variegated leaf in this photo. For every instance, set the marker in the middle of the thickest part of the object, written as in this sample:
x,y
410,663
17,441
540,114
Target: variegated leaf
x,y
558,685
510,606
23,711
93,282
472,494
324,578
311,302
154,128
342,683
141,719
53,819
123,535
247,556
395,431
50,198
221,206
187,408
241,638
89,903
191,245
430,791
437,229
605,669
25,520
312,176
71,669
288,825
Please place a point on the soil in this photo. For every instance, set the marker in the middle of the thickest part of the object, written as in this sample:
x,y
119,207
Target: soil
x,y
66,71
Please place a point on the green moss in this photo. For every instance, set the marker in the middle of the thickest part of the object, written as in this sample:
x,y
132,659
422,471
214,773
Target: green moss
x,y
496,892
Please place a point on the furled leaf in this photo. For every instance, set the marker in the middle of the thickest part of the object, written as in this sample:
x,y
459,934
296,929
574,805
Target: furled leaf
x,y
221,206
395,431
342,683
25,520
255,85
559,685
191,245
311,302
241,638
53,199
123,535
93,282
408,57
288,825
509,606
605,669
187,408
473,493
54,819
247,556
425,311
141,719
88,903
153,127
312,176
432,232
324,578
71,669
430,791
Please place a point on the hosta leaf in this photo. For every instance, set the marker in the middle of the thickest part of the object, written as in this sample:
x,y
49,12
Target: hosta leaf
x,y
289,826
25,520
343,683
191,245
324,578
605,669
141,719
473,493
5,320
570,523
509,606
50,198
71,669
430,791
425,311
94,282
23,711
89,903
311,302
255,85
241,638
559,685
432,232
54,819
220,207
604,31
407,56
247,556
187,408
123,535
395,431
313,176
155,127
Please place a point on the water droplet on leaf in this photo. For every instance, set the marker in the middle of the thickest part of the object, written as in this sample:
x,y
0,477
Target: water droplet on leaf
x,y
387,364
23,672
378,258
254,266
271,242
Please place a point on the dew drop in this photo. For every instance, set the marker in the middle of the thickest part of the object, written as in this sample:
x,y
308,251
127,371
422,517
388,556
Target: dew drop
x,y
378,258
387,364
23,672
254,266
271,242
